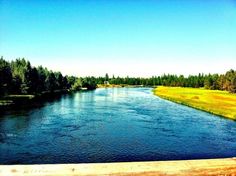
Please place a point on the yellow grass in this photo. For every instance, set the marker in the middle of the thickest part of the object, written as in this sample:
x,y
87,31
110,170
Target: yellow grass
x,y
214,101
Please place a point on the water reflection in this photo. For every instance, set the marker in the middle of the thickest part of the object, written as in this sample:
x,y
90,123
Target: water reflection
x,y
110,125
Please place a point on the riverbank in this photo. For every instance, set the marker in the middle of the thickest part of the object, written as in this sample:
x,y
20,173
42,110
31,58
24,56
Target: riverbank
x,y
119,86
15,100
226,166
217,102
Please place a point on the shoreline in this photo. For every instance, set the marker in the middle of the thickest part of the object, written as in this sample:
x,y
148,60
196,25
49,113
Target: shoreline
x,y
119,86
25,100
21,99
197,108
12,101
185,96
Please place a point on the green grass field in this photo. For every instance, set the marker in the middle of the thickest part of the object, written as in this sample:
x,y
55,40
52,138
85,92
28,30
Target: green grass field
x,y
214,101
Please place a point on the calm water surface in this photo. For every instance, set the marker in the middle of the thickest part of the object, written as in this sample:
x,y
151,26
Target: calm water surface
x,y
111,125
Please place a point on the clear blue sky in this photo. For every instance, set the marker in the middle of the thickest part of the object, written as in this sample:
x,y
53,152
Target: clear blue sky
x,y
121,37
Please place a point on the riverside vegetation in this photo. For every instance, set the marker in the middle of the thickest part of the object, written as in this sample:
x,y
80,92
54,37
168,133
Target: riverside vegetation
x,y
217,102
20,80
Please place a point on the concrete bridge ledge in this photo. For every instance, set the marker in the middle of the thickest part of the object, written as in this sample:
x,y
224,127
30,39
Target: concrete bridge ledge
x,y
226,166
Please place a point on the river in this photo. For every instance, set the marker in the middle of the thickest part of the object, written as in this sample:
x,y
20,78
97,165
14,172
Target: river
x,y
112,125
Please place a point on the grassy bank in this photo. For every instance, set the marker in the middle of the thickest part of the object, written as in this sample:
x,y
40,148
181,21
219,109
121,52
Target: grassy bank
x,y
214,101
14,100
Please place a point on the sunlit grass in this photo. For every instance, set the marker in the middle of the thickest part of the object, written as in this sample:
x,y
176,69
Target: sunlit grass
x,y
12,99
21,96
5,102
214,101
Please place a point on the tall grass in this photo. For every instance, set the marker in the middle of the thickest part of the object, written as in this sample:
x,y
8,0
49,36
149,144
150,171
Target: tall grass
x,y
214,101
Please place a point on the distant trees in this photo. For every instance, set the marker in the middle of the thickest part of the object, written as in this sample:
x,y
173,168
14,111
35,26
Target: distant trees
x,y
77,85
5,77
211,81
106,77
229,82
19,77
89,82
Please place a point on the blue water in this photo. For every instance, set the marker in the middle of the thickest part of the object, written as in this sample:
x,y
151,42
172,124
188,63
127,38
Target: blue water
x,y
113,125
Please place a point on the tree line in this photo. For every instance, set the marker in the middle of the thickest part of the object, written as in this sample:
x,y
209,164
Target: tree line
x,y
225,81
20,77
